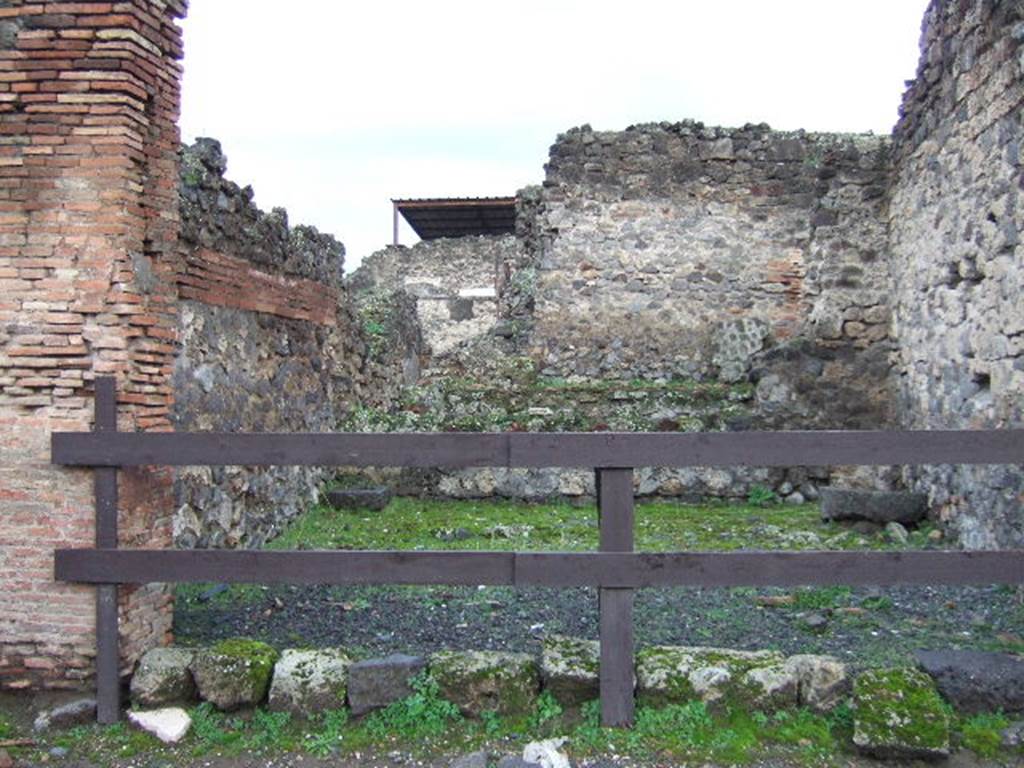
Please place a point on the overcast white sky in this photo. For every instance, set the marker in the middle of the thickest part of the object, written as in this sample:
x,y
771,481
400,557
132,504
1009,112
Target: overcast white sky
x,y
331,109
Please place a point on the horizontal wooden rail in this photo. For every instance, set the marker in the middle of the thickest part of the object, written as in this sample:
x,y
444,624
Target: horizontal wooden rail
x,y
521,449
616,570
553,569
766,569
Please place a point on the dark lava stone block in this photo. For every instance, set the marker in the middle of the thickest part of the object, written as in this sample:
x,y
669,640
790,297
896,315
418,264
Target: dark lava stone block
x,y
874,506
375,498
976,681
375,683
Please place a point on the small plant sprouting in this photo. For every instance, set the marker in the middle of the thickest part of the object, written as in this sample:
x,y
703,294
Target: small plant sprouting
x,y
491,721
761,496
211,729
547,709
266,730
325,740
981,733
420,715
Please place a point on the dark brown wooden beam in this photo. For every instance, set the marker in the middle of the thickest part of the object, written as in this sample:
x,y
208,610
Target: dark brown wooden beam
x,y
766,449
316,449
295,567
764,569
558,569
615,606
605,449
108,654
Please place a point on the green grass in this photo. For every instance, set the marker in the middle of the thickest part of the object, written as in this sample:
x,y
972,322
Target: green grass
x,y
327,734
263,732
820,598
421,715
102,744
410,523
689,732
425,726
426,524
982,733
7,729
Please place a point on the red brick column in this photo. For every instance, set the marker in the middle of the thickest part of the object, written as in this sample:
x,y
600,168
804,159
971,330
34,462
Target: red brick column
x,y
89,96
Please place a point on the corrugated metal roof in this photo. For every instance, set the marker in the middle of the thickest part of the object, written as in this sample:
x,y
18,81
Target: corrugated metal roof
x,y
432,218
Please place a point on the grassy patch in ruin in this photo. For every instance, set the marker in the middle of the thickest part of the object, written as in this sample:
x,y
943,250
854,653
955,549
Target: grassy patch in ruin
x,y
412,523
424,726
981,733
425,524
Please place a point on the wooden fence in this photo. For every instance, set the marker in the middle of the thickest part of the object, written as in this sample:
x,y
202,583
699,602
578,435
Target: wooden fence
x,y
616,570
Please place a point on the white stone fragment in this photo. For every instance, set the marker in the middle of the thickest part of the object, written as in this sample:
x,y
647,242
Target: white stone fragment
x,y
547,754
169,725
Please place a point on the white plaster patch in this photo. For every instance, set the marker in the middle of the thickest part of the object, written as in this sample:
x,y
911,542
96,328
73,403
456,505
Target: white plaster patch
x,y
477,293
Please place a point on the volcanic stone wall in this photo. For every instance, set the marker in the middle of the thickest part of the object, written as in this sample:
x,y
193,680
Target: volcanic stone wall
x,y
957,259
269,343
88,234
683,251
452,285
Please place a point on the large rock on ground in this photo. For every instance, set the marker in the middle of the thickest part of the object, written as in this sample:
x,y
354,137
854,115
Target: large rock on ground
x,y
898,714
976,681
375,498
476,759
234,673
677,674
879,507
306,683
375,683
78,712
487,681
163,677
822,681
569,669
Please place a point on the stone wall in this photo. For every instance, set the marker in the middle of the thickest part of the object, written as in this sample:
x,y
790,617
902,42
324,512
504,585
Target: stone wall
x,y
269,343
957,260
684,251
88,232
658,260
452,283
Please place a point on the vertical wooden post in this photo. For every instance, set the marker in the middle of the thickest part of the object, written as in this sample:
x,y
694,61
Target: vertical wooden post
x,y
108,657
615,515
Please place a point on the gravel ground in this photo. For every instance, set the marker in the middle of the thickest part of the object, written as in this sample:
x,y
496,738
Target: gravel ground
x,y
863,626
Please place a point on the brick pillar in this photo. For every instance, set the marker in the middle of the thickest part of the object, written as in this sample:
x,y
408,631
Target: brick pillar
x,y
89,96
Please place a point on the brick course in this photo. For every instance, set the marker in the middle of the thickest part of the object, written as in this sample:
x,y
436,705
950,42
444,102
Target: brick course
x,y
228,281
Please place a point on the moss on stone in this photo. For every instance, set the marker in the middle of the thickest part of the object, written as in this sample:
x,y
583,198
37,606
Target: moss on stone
x,y
487,681
234,673
522,400
258,658
899,713
310,681
680,674
570,669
